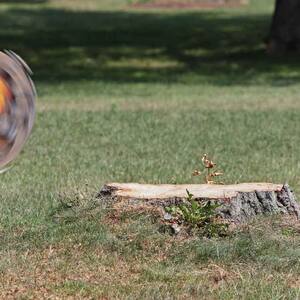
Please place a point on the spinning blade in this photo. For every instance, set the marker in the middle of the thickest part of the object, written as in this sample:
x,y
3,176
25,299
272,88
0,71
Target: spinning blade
x,y
17,98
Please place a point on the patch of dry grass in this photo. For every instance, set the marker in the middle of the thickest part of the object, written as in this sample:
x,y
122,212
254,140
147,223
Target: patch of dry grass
x,y
71,269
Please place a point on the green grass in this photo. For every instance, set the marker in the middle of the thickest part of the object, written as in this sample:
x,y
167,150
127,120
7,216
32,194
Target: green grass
x,y
132,95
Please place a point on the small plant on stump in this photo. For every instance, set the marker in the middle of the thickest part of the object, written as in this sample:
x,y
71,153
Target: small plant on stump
x,y
198,216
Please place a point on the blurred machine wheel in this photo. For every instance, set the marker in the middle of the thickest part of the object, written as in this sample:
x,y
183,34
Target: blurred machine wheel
x,y
17,109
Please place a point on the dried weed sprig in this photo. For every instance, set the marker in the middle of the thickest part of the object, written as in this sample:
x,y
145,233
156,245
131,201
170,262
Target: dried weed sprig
x,y
209,165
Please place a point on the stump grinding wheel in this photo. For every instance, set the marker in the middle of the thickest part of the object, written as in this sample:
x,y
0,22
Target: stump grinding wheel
x,y
17,98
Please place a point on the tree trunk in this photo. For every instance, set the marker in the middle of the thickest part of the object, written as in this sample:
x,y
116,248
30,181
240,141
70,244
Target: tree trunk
x,y
285,28
239,202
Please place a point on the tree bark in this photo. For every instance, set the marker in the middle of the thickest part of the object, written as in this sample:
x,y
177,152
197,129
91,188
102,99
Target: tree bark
x,y
285,28
238,203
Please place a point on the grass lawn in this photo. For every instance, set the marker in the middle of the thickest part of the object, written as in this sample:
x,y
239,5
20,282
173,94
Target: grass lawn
x,y
132,95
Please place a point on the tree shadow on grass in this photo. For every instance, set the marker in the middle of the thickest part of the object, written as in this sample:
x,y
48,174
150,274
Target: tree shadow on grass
x,y
23,1
194,47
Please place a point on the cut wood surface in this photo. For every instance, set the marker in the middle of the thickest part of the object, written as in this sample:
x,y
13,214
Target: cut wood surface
x,y
167,191
239,202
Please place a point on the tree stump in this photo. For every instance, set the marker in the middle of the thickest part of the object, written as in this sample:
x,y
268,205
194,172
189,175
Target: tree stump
x,y
238,203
